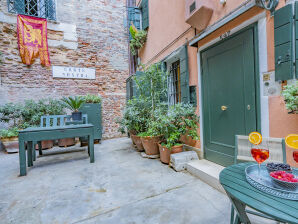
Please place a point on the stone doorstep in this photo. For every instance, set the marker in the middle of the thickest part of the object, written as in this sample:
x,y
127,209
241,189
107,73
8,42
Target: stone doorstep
x,y
206,171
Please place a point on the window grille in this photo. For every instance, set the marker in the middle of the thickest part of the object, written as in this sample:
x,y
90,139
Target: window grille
x,y
174,84
38,8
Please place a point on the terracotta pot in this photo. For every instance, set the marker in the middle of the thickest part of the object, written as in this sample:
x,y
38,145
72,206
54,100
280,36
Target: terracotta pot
x,y
150,145
65,142
165,153
11,145
187,140
46,144
132,137
139,144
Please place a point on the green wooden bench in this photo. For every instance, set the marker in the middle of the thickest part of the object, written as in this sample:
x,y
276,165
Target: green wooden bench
x,y
57,121
52,127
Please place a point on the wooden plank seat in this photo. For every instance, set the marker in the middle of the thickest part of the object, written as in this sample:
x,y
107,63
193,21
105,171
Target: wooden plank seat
x,y
52,127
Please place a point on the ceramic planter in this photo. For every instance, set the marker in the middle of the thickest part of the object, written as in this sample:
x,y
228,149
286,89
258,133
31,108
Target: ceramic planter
x,y
65,142
165,153
187,140
132,137
11,145
150,145
46,144
76,116
138,143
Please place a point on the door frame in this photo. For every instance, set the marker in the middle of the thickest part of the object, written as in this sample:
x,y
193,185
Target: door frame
x,y
258,24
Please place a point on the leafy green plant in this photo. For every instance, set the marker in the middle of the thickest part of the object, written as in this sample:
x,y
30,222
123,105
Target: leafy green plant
x,y
179,120
33,110
135,116
132,31
25,115
92,98
73,103
138,40
11,113
9,133
152,85
290,94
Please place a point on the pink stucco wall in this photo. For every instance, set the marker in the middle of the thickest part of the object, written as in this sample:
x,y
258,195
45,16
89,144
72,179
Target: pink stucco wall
x,y
168,31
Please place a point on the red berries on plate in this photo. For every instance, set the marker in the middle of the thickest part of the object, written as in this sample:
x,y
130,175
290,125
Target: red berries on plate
x,y
284,176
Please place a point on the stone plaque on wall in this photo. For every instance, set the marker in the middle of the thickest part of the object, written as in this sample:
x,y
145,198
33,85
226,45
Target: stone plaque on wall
x,y
73,72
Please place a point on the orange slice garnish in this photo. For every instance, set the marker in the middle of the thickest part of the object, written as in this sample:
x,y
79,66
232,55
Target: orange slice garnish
x,y
292,141
255,138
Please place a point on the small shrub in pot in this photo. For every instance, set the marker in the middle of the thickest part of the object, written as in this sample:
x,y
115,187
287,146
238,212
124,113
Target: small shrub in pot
x,y
74,104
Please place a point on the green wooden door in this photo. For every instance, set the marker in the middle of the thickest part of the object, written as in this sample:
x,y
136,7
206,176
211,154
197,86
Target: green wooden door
x,y
229,95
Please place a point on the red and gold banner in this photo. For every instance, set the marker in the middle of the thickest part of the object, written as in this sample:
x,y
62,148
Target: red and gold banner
x,y
32,40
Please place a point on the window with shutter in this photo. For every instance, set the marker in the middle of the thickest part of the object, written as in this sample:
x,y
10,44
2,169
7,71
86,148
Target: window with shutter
x,y
134,17
174,87
145,14
38,8
178,79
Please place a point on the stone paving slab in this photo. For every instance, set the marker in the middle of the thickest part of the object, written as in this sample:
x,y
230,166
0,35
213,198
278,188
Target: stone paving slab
x,y
120,187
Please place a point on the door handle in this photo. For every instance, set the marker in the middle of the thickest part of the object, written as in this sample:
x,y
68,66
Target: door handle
x,y
248,107
223,108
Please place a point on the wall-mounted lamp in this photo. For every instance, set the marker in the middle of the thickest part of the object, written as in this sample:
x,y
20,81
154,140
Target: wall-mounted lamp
x,y
223,2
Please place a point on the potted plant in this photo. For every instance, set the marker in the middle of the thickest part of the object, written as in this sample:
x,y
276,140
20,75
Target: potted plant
x,y
171,143
154,134
9,139
179,120
135,119
151,138
138,39
74,104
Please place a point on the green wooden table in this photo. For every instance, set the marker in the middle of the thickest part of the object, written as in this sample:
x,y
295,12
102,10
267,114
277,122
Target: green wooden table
x,y
242,194
38,134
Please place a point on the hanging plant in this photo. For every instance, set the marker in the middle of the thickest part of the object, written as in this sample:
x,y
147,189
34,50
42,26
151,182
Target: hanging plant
x,y
290,94
138,39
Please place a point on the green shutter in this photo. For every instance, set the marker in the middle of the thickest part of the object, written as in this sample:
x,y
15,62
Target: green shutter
x,y
296,39
19,6
193,95
128,89
283,32
145,14
184,75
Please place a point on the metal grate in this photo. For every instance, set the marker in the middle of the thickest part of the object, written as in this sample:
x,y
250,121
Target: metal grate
x,y
174,83
38,8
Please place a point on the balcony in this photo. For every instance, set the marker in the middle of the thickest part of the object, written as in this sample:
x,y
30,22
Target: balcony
x,y
198,13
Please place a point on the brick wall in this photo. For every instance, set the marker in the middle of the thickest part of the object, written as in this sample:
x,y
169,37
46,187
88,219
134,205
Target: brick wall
x,y
87,33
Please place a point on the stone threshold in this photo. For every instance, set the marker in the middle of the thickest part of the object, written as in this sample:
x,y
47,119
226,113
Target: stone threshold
x,y
206,171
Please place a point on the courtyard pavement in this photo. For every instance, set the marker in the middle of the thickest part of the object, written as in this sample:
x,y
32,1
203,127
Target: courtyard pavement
x,y
121,187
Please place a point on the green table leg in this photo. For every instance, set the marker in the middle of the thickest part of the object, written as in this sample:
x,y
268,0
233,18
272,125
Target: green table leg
x,y
22,157
34,151
240,211
91,148
29,153
39,148
232,215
